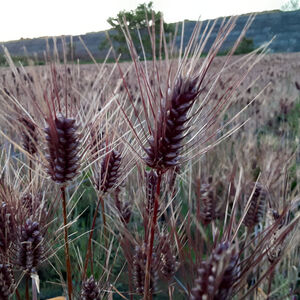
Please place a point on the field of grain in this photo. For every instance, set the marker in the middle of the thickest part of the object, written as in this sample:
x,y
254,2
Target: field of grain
x,y
173,179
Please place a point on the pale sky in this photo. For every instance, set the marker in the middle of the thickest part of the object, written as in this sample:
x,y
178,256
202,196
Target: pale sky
x,y
36,18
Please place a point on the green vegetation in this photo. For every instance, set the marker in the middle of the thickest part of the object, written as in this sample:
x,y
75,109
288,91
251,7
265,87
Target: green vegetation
x,y
23,60
246,46
290,5
137,21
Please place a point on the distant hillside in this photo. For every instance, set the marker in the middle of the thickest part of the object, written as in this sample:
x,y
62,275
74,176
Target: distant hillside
x,y
284,25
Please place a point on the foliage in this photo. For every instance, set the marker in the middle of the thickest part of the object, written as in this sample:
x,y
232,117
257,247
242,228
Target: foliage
x,y
23,60
291,5
246,46
142,19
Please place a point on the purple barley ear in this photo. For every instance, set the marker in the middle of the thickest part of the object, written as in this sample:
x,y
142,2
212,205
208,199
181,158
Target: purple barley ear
x,y
124,207
125,212
29,135
274,249
168,264
90,290
167,140
7,229
32,204
30,248
110,171
63,148
7,282
208,209
139,268
97,143
230,276
275,246
151,183
217,274
258,203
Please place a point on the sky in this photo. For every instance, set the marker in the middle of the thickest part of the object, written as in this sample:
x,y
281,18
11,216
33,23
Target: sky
x,y
38,18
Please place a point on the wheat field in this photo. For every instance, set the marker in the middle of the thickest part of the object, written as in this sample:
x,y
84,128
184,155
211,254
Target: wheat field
x,y
173,178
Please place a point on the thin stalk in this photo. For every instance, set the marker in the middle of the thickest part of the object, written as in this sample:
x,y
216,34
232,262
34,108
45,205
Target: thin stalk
x,y
34,290
130,283
270,283
170,289
27,287
147,294
89,248
245,248
104,221
18,295
67,252
30,167
91,261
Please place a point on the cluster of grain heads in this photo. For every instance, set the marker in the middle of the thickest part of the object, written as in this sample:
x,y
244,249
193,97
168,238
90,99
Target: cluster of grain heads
x,y
139,269
63,147
31,251
175,115
106,176
7,282
24,226
34,206
6,227
151,182
207,203
109,174
63,162
167,141
168,264
124,207
258,196
277,242
175,123
217,274
90,289
164,263
29,135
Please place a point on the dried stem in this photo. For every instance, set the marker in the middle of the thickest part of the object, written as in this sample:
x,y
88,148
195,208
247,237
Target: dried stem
x,y
67,253
270,282
30,168
147,295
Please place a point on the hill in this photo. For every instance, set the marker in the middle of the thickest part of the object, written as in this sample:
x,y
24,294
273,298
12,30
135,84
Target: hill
x,y
285,26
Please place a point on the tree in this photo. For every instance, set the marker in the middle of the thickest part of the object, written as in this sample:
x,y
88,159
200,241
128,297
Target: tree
x,y
291,5
137,20
245,46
